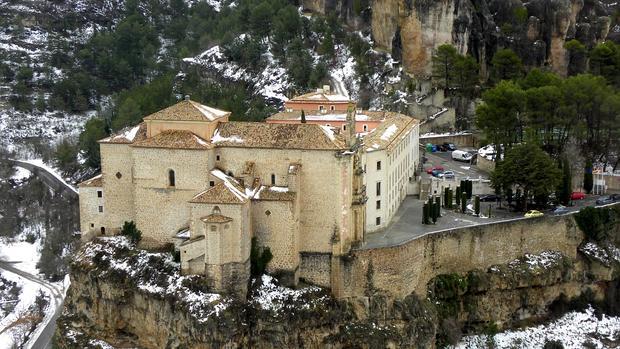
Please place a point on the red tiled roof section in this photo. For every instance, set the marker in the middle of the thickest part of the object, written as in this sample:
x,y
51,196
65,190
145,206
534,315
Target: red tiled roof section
x,y
173,139
279,136
188,111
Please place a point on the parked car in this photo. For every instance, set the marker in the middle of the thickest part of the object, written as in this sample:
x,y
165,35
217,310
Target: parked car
x,y
432,168
449,146
437,173
446,174
577,195
461,155
489,198
604,200
533,213
560,210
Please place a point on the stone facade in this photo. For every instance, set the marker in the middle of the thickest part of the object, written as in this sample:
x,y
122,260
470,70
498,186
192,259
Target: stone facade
x,y
406,268
187,177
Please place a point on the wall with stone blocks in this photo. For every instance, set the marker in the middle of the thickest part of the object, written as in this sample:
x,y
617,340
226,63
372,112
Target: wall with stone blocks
x,y
406,268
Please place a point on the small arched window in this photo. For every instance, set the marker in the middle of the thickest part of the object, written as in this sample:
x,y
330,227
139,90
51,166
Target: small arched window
x,y
273,179
216,210
171,179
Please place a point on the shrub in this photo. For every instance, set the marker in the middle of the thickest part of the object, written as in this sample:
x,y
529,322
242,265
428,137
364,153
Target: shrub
x,y
598,223
130,230
259,258
554,344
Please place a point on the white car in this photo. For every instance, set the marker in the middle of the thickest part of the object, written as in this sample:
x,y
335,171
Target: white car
x,y
446,175
461,155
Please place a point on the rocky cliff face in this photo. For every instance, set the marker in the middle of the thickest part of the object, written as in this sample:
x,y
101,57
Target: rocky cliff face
x,y
537,30
133,298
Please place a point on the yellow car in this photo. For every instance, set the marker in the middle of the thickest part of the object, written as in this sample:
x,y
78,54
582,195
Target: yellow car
x,y
533,213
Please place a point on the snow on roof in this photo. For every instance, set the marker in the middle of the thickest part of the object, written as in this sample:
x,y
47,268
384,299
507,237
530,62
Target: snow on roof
x,y
231,183
217,138
210,113
329,131
389,132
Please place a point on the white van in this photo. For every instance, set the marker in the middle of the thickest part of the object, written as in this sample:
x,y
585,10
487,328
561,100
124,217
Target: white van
x,y
461,155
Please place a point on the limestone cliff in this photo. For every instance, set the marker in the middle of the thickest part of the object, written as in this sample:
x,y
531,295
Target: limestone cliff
x,y
537,30
132,298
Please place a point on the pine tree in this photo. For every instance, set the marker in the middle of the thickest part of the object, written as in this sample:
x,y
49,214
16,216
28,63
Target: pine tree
x,y
303,116
588,180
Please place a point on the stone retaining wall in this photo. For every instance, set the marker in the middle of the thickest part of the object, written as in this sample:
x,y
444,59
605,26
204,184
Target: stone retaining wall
x,y
406,268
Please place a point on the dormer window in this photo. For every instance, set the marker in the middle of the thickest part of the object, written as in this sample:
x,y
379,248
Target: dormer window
x,y
171,178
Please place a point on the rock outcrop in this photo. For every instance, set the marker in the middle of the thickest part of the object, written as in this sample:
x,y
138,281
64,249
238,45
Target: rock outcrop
x,y
537,30
114,297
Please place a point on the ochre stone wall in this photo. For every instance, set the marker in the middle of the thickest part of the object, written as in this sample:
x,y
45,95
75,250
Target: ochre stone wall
x,y
160,209
324,208
315,268
275,227
116,161
401,270
89,209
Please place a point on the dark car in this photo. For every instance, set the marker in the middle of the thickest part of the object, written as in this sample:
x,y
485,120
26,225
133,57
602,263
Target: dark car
x,y
436,172
449,146
489,198
604,200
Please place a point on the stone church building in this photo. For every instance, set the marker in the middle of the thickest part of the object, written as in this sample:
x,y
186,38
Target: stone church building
x,y
189,177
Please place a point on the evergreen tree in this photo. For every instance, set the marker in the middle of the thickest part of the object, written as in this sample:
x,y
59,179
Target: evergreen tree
x,y
588,180
444,62
303,116
506,65
94,130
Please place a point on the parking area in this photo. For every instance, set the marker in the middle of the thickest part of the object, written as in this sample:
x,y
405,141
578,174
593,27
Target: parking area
x,y
407,223
462,170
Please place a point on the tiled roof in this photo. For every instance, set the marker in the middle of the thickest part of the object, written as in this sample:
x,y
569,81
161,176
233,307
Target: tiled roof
x,y
176,139
388,131
228,191
127,135
96,181
318,96
219,194
360,116
216,218
273,193
279,136
188,111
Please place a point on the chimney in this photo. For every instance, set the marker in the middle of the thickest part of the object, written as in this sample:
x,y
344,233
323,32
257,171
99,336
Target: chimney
x,y
326,88
319,90
187,97
351,139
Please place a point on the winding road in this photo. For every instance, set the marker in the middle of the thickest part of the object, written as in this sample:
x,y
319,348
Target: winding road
x,y
42,336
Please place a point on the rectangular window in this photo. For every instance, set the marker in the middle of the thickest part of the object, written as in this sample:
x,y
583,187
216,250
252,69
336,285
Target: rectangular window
x,y
378,165
92,225
331,107
217,157
212,183
273,179
378,204
378,221
378,188
344,127
100,209
99,193
365,128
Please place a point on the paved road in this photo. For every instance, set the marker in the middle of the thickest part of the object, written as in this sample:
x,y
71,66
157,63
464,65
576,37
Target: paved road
x,y
48,178
407,222
44,339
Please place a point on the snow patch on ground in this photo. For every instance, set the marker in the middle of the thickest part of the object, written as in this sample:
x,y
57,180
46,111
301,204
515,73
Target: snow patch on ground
x,y
275,298
572,330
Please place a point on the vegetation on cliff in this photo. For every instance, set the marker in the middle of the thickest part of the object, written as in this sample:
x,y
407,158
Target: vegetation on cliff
x,y
112,279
